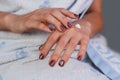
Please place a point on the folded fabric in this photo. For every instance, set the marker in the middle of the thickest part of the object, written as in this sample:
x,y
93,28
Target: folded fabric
x,y
40,70
104,59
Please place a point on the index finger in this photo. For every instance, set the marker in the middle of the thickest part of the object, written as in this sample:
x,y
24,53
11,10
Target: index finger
x,y
68,13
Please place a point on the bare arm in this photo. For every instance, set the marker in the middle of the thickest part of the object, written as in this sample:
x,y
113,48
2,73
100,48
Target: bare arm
x,y
5,20
38,19
94,17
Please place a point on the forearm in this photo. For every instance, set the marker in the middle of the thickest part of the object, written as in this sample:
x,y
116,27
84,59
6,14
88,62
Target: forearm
x,y
95,22
6,20
93,18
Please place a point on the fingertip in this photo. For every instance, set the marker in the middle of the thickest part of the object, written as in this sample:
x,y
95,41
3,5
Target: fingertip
x,y
62,28
79,58
52,29
61,63
76,16
52,63
81,55
41,57
69,24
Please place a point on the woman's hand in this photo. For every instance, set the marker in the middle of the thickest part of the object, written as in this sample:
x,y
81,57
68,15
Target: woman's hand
x,y
39,19
67,41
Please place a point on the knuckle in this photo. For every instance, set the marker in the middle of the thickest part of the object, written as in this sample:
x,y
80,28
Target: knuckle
x,y
51,39
87,38
40,25
62,42
54,11
73,43
66,56
57,24
55,55
64,19
46,15
71,29
62,9
84,47
85,42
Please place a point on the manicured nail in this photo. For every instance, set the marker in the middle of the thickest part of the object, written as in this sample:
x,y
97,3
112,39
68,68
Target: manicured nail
x,y
52,63
76,15
52,29
41,56
61,63
63,28
79,58
69,24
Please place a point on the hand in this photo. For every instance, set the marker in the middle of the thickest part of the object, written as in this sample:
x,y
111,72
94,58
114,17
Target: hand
x,y
67,40
39,19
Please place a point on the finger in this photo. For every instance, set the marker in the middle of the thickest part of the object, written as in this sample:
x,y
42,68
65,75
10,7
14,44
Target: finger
x,y
33,24
83,49
44,27
69,50
41,46
49,43
52,20
59,49
62,18
69,13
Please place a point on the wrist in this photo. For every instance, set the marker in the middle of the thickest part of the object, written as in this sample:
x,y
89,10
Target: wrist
x,y
85,25
9,20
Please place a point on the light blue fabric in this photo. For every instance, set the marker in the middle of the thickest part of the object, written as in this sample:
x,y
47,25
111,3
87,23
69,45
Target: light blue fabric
x,y
104,60
45,4
1,77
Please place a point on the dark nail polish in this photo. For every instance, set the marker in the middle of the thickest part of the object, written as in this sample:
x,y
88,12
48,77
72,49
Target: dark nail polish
x,y
79,58
52,29
69,24
63,28
52,63
76,15
61,63
41,56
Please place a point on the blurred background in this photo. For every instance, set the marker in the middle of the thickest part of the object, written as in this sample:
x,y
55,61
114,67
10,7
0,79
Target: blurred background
x,y
111,13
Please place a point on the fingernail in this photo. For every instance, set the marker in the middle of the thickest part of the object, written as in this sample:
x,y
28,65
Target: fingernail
x,y
69,24
41,56
52,29
61,63
63,28
40,47
52,63
76,15
79,58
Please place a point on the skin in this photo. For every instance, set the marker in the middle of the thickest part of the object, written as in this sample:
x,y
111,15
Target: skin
x,y
91,25
64,35
38,19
